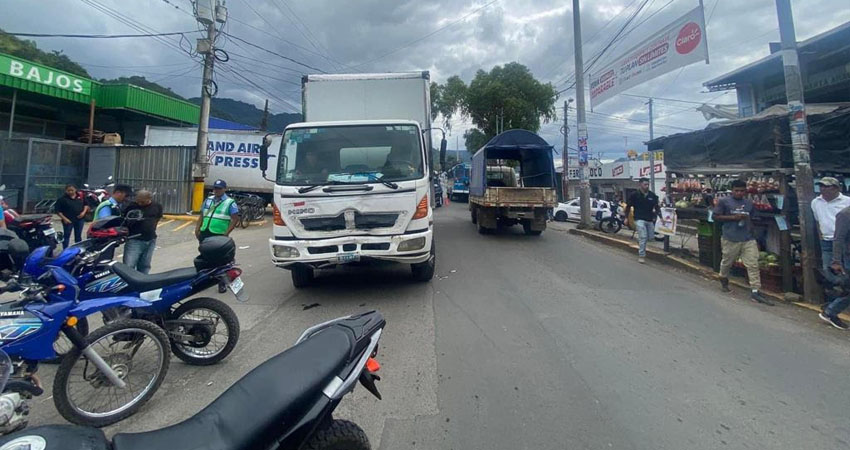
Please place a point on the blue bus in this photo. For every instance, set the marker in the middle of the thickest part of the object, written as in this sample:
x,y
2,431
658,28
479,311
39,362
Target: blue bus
x,y
459,181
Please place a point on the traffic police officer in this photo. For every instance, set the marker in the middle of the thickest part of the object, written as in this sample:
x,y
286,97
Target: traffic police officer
x,y
218,214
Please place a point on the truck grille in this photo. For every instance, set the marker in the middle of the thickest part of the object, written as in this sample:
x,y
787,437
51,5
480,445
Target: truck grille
x,y
369,221
356,221
324,223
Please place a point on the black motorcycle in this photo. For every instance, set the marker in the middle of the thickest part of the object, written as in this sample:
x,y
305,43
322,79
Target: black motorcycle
x,y
13,253
438,193
613,223
285,403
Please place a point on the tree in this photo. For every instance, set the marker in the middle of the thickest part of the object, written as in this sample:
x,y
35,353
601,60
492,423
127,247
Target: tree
x,y
508,95
29,50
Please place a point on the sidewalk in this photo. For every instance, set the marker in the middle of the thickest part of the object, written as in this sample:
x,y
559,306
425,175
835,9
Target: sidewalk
x,y
655,252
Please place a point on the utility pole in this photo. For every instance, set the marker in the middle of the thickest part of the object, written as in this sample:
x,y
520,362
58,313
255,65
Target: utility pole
x,y
581,121
207,14
800,147
457,147
651,153
264,122
565,158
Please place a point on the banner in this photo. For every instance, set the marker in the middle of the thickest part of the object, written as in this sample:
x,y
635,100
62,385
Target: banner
x,y
681,43
25,70
666,224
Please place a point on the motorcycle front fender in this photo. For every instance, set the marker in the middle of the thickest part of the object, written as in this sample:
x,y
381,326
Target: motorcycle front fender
x,y
99,304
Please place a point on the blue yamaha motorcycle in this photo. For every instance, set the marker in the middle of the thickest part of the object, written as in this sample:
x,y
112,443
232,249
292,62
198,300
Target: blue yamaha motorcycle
x,y
202,330
104,378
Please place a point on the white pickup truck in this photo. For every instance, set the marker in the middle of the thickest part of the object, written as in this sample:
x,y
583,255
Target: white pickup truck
x,y
353,182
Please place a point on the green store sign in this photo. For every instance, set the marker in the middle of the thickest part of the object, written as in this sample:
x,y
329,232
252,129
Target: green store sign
x,y
39,74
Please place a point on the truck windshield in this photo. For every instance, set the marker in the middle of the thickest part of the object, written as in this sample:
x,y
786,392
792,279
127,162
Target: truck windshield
x,y
350,154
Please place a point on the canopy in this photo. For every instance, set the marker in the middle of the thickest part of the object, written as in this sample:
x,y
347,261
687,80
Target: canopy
x,y
533,153
761,142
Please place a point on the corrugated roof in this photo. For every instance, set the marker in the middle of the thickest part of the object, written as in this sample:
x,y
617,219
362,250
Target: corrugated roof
x,y
19,73
726,81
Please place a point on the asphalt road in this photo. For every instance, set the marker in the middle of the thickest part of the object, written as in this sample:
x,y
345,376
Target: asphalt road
x,y
549,342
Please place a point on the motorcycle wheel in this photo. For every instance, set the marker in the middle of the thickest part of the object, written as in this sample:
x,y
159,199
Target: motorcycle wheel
x,y
128,346
207,346
62,345
610,226
339,435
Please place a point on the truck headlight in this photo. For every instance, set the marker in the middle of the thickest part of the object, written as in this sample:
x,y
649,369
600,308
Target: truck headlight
x,y
282,251
412,244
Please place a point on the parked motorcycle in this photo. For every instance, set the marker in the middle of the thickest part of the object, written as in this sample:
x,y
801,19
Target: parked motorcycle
x,y
93,384
286,402
202,330
95,196
614,222
35,229
13,253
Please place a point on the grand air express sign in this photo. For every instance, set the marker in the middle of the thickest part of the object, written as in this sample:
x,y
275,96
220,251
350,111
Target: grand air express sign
x,y
679,44
39,74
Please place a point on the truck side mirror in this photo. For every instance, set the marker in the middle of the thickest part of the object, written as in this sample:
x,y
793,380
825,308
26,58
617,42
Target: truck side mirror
x,y
264,153
443,145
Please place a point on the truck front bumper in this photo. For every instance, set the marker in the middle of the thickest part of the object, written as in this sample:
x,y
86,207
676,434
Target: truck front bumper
x,y
330,252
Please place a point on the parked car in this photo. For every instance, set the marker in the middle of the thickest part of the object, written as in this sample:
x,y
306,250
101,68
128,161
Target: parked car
x,y
572,211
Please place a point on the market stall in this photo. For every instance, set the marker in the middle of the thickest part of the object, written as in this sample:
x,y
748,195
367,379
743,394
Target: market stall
x,y
701,165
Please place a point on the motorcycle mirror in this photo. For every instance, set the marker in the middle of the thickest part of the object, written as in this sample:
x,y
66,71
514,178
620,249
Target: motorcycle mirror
x,y
86,185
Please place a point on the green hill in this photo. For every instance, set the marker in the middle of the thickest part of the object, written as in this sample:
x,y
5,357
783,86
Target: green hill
x,y
248,114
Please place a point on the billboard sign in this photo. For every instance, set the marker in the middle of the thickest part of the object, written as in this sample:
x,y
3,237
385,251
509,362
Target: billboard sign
x,y
681,43
36,73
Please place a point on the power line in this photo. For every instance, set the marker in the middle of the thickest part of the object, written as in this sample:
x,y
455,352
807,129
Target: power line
x,y
273,53
309,36
425,37
302,48
97,36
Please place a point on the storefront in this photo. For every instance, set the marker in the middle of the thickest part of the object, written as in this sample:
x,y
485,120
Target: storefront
x,y
40,101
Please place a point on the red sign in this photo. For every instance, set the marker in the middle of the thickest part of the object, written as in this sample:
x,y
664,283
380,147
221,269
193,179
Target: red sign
x,y
617,171
644,171
688,39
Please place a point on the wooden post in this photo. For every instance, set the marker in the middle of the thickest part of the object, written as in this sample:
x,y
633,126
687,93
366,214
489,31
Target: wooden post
x,y
91,121
786,259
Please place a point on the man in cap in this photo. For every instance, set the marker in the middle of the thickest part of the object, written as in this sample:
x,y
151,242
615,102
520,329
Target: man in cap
x,y
113,205
219,214
825,207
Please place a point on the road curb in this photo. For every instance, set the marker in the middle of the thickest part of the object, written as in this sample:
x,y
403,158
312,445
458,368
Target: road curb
x,y
180,217
671,260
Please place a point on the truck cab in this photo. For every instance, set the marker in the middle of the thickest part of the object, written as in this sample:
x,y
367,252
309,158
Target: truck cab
x,y
352,192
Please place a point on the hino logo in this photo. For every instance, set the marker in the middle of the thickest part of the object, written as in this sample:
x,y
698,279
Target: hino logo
x,y
297,211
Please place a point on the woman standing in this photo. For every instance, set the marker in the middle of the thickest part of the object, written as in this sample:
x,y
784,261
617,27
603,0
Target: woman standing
x,y
72,211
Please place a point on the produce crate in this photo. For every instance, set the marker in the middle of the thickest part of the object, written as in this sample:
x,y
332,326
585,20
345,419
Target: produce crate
x,y
706,250
771,279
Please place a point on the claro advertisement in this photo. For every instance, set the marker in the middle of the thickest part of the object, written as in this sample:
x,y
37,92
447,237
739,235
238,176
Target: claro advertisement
x,y
234,156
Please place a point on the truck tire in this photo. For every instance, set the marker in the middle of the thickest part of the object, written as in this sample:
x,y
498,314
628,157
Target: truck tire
x,y
474,213
424,272
302,276
482,229
526,226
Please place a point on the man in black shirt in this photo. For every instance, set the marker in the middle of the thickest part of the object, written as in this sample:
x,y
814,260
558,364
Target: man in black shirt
x,y
71,209
138,251
645,205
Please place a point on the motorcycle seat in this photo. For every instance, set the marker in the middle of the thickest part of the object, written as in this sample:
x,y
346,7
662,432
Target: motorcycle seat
x,y
262,405
30,218
142,282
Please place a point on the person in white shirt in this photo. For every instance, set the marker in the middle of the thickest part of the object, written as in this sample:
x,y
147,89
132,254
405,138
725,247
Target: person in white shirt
x,y
825,207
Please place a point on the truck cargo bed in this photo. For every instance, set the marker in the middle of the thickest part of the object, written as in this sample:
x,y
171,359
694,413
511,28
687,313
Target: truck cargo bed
x,y
526,197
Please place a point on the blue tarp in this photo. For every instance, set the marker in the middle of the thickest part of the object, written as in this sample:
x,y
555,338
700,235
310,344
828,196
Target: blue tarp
x,y
532,152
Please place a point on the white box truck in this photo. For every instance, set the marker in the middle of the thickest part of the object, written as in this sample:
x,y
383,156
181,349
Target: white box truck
x,y
234,156
353,182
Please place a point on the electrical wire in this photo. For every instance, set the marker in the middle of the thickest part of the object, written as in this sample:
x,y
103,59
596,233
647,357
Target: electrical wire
x,y
274,53
420,39
299,47
309,34
96,36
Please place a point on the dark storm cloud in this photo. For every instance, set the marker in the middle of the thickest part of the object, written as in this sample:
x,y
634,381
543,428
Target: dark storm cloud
x,y
384,35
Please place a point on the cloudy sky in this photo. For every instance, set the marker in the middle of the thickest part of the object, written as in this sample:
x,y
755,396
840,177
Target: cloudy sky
x,y
445,37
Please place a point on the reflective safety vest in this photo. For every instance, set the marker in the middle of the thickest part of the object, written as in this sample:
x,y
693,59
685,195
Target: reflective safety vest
x,y
217,218
102,205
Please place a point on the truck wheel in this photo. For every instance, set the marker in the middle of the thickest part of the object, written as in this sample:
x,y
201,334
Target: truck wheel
x,y
482,229
474,213
302,276
425,271
526,226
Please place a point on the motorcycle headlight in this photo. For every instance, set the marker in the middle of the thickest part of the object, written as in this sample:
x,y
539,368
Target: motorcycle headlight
x,y
7,410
